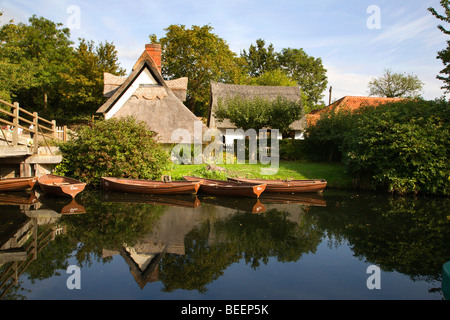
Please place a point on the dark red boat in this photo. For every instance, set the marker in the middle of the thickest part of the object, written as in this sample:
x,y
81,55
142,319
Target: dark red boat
x,y
288,186
150,186
17,184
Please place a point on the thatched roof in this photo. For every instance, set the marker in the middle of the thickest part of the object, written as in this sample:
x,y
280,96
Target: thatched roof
x,y
113,82
157,105
221,91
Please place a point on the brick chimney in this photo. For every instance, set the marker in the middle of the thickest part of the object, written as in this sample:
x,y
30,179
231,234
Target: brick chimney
x,y
154,50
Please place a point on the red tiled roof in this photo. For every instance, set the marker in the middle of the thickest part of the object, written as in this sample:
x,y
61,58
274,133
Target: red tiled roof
x,y
349,103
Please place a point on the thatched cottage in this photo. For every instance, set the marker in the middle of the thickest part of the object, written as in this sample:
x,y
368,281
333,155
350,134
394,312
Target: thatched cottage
x,y
145,95
220,91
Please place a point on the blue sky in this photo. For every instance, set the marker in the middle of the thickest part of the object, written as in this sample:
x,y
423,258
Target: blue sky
x,y
337,31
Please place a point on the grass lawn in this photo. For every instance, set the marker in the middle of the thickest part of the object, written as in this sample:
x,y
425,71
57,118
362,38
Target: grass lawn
x,y
334,173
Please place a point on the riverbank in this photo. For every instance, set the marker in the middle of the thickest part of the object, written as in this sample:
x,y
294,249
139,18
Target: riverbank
x,y
334,173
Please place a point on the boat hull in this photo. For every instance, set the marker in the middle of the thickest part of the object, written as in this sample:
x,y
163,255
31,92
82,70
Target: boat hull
x,y
150,186
17,184
288,186
228,188
60,186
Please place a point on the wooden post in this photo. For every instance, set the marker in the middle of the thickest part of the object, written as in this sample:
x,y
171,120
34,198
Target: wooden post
x,y
36,130
55,131
15,134
65,133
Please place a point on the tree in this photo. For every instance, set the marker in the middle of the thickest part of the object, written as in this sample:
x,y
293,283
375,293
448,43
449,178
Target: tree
x,y
200,55
395,85
307,71
82,89
40,68
259,113
45,49
444,54
260,59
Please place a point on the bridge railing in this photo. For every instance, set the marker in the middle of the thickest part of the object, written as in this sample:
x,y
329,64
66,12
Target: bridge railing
x,y
21,127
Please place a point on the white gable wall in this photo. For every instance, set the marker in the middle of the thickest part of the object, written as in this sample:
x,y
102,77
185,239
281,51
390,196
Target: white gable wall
x,y
144,77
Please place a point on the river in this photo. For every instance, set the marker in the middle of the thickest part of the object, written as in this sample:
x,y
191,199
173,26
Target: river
x,y
338,245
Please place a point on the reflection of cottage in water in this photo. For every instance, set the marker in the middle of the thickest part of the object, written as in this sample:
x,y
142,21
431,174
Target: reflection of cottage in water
x,y
175,224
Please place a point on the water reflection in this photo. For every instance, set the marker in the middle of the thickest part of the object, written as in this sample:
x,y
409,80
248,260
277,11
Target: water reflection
x,y
186,242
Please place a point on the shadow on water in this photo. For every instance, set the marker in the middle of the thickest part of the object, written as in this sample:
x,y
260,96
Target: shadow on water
x,y
187,242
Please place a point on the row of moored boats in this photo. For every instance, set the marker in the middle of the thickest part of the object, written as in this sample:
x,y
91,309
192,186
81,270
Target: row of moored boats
x,y
236,187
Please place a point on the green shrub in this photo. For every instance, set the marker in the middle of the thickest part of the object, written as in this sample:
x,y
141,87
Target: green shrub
x,y
324,139
402,147
114,148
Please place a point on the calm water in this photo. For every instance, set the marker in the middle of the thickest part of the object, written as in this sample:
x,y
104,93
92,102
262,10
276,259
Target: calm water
x,y
144,247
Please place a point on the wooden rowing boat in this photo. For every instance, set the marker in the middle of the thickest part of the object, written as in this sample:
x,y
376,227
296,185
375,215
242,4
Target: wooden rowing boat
x,y
60,186
150,186
17,184
229,188
288,186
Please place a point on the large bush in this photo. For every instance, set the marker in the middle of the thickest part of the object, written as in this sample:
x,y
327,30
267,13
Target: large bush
x,y
398,147
115,148
402,147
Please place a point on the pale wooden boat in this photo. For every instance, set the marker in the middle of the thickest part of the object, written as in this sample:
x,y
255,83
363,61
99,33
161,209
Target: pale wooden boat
x,y
288,186
150,186
60,186
17,184
229,188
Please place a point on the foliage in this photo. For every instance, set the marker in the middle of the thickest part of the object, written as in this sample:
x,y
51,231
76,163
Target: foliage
x,y
259,59
305,71
113,148
396,85
402,147
324,139
444,55
42,70
259,112
200,55
398,147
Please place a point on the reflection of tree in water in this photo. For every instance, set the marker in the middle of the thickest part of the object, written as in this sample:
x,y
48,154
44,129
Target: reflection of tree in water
x,y
104,226
210,249
406,234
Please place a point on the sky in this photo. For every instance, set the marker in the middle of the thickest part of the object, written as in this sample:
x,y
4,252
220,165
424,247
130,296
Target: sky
x,y
356,39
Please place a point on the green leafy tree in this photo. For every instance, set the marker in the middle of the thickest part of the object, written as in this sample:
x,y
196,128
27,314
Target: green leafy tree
x,y
114,148
82,87
200,55
396,85
444,54
288,67
259,59
260,112
45,49
40,68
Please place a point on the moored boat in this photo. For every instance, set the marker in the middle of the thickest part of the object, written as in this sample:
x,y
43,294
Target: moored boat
x,y
150,186
60,186
229,188
17,184
288,186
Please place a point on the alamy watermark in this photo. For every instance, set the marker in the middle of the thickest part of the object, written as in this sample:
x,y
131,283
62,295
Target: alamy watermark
x,y
74,280
190,149
374,20
74,19
374,280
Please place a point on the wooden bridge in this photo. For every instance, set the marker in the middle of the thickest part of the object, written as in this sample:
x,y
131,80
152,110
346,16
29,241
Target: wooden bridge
x,y
27,140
